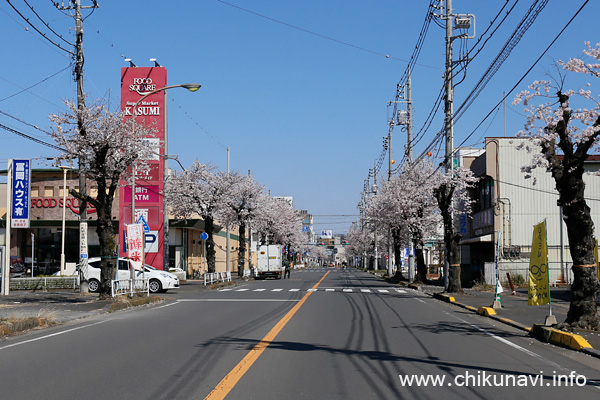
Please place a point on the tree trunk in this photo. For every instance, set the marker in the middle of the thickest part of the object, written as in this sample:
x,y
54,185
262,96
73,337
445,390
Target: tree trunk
x,y
242,250
443,195
421,266
397,248
209,226
583,310
568,175
108,247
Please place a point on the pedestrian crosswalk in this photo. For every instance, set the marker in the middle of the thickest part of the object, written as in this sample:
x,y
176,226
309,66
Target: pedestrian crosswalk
x,y
325,289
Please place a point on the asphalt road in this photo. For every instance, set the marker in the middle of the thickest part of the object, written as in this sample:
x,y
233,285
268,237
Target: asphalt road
x,y
323,334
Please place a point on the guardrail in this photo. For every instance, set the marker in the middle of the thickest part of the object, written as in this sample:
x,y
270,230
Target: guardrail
x,y
124,287
44,283
212,277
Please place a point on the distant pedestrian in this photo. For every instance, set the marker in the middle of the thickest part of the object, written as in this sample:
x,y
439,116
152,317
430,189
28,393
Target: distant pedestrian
x,y
287,269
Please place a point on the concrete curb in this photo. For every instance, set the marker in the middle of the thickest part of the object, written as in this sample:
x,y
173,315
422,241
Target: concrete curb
x,y
445,297
543,333
560,338
486,311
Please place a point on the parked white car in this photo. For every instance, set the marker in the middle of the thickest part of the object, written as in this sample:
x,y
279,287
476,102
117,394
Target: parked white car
x,y
158,280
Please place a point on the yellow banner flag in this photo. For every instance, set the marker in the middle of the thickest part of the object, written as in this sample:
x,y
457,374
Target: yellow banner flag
x,y
539,288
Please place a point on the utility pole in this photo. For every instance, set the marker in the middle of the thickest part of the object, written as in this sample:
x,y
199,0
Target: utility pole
x,y
449,123
228,256
390,162
376,263
78,72
409,141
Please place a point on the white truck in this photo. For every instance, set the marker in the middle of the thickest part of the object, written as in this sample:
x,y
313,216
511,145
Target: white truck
x,y
269,263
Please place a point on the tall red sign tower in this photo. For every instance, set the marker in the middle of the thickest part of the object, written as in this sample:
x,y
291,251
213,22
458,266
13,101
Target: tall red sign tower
x,y
137,82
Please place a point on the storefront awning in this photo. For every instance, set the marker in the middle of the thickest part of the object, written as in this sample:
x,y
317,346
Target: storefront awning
x,y
479,239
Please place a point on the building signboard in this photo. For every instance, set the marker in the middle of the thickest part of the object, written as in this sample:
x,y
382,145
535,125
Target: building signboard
x,y
21,193
137,82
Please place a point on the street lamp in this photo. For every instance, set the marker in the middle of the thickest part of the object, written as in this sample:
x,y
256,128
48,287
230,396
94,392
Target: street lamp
x,y
62,251
192,87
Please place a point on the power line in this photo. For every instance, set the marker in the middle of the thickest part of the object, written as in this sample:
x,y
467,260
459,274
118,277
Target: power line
x,y
528,71
312,33
35,84
38,31
24,135
47,25
24,122
506,50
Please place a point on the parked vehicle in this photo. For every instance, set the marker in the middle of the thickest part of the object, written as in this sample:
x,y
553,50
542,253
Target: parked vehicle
x,y
269,261
158,280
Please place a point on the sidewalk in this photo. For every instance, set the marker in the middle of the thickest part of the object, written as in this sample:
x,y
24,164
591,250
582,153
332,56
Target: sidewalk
x,y
64,305
58,306
515,311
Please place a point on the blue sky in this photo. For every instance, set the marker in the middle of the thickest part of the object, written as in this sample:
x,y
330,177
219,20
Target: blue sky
x,y
298,90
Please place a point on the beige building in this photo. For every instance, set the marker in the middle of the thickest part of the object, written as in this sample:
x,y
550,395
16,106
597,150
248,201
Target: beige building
x,y
186,250
506,208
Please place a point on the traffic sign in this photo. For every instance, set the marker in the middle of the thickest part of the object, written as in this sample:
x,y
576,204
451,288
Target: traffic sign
x,y
141,220
204,236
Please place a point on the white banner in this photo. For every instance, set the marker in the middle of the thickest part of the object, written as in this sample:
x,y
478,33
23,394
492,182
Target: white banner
x,y
135,245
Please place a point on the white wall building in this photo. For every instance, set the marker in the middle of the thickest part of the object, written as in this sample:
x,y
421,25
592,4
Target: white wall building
x,y
507,206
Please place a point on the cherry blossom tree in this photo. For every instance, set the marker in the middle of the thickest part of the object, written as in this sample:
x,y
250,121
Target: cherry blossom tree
x,y
561,137
360,243
315,253
240,208
406,203
200,191
278,222
109,145
419,208
452,197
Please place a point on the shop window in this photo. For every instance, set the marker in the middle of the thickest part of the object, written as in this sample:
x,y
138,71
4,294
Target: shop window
x,y
49,191
61,191
35,191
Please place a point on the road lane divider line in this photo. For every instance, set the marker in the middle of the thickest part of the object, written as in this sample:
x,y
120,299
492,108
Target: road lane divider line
x,y
234,300
233,377
51,335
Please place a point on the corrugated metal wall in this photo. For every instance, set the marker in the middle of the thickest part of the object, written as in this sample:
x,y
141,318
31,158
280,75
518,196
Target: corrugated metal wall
x,y
524,204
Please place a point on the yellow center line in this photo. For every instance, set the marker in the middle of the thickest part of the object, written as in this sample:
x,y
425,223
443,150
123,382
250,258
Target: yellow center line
x,y
232,378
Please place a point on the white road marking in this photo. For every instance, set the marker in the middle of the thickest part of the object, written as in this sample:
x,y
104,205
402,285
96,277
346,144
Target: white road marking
x,y
233,300
52,335
330,290
383,291
365,290
347,290
241,290
311,290
276,290
294,290
515,346
259,290
400,291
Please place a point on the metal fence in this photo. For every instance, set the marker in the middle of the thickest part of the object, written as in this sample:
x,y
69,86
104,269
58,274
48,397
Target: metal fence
x,y
519,272
124,287
212,277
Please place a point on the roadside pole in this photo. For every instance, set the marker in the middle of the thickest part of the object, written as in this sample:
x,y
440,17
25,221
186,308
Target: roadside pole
x,y
6,269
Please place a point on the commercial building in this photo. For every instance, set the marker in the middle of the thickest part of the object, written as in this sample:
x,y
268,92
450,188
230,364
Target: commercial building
x,y
507,206
44,237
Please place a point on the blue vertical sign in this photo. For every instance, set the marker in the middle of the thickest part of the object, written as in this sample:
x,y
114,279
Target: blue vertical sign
x,y
21,184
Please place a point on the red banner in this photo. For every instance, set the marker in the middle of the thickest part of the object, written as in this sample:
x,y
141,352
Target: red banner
x,y
137,82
